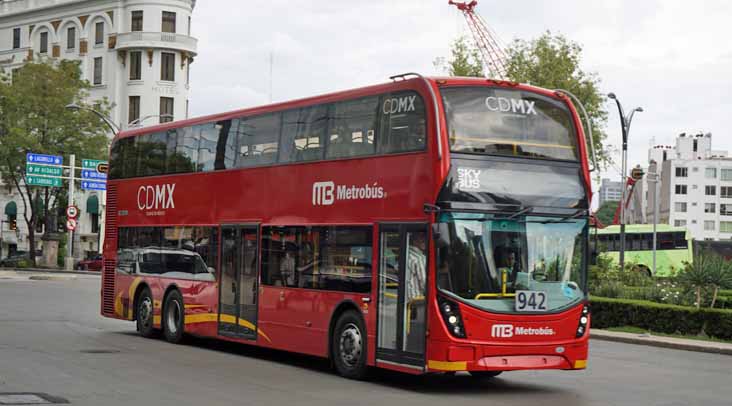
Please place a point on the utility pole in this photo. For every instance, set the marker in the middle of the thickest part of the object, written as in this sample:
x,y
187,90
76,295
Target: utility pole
x,y
625,126
69,260
653,178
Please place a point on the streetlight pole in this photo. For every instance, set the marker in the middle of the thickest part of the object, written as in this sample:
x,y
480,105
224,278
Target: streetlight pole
x,y
115,131
653,178
138,122
625,126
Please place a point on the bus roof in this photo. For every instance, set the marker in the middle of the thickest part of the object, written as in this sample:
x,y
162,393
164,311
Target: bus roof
x,y
334,96
640,229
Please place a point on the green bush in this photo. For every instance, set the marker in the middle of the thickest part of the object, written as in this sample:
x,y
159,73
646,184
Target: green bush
x,y
662,318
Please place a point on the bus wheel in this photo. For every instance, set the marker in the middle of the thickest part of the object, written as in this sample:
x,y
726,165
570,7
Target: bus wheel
x,y
349,346
173,317
144,314
481,375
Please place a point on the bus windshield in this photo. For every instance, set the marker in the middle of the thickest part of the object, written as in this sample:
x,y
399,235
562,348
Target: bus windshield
x,y
485,120
486,259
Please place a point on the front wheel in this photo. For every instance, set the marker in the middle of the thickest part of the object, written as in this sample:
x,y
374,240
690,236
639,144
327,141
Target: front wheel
x,y
173,317
349,346
144,314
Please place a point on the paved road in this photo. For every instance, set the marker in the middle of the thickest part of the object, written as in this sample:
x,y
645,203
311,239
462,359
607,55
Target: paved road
x,y
53,341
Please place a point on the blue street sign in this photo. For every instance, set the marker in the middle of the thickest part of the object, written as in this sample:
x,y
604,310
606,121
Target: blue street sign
x,y
92,174
32,158
89,185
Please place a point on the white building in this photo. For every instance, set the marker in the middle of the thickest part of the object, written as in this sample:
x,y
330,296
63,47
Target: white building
x,y
136,53
695,187
610,191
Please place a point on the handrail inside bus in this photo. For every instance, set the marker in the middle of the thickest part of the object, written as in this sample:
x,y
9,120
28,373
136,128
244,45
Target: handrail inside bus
x,y
403,76
587,121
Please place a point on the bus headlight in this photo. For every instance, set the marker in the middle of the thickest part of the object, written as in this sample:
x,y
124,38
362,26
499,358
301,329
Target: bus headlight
x,y
451,316
582,327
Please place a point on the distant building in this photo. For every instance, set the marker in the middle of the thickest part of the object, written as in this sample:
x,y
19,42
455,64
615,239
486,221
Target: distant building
x,y
694,188
610,191
136,53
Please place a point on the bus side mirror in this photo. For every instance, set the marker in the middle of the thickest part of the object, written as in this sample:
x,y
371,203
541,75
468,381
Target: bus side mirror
x,y
441,234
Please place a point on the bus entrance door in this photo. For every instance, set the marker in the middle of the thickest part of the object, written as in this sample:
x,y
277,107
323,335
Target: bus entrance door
x,y
238,287
402,286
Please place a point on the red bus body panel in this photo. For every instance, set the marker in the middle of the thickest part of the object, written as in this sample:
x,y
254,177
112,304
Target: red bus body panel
x,y
299,320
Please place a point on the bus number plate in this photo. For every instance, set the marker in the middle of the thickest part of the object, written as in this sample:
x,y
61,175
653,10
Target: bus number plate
x,y
531,301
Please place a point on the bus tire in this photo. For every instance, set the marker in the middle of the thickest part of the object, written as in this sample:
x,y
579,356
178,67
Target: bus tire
x,y
144,312
484,375
349,345
173,319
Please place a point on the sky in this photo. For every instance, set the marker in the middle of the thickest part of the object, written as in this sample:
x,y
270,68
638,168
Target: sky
x,y
671,57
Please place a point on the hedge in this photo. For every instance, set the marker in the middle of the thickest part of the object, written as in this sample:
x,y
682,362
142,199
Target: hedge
x,y
661,318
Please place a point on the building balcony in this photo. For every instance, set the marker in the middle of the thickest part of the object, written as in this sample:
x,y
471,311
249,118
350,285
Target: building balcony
x,y
165,40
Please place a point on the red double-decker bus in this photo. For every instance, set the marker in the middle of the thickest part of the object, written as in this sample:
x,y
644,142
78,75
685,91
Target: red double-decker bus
x,y
422,225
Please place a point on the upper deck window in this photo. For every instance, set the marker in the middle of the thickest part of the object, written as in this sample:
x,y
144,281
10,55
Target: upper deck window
x,y
383,124
485,120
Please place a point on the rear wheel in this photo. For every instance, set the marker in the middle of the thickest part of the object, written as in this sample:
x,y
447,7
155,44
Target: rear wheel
x,y
480,375
349,346
144,314
173,317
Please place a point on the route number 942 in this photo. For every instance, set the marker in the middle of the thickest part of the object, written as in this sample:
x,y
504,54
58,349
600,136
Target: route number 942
x,y
531,301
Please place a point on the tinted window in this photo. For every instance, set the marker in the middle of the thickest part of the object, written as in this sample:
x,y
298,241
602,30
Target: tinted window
x,y
151,151
303,134
403,126
257,140
180,252
329,258
486,120
353,128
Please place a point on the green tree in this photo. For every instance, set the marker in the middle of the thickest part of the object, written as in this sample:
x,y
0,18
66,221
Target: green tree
x,y
606,213
465,60
34,118
697,275
720,276
553,62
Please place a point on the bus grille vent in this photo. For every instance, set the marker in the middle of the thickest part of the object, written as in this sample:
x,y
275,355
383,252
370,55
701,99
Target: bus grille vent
x,y
108,288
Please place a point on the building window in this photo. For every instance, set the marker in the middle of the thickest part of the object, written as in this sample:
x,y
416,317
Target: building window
x,y
680,223
710,190
166,109
99,33
16,38
725,192
136,65
726,174
98,70
710,173
710,207
695,169
681,189
682,172
71,38
136,21
725,226
696,145
167,66
725,209
44,42
680,207
189,26
168,21
708,225
134,109
94,223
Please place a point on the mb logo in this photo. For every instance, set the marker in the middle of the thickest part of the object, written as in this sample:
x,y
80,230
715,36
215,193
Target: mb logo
x,y
323,193
502,330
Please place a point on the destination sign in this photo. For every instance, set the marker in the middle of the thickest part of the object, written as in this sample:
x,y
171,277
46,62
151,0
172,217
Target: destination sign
x,y
44,159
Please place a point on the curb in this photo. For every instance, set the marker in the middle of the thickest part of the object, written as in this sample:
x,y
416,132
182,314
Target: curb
x,y
51,271
52,277
663,342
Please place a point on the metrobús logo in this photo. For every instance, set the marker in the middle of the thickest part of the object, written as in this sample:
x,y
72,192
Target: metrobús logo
x,y
155,199
509,330
326,193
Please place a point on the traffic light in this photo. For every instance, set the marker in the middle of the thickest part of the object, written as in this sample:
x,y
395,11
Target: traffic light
x,y
13,225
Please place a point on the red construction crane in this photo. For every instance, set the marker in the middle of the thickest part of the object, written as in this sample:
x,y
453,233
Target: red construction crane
x,y
494,58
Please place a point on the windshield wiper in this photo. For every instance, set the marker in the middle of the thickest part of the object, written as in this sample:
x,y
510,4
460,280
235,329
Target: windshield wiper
x,y
521,212
578,213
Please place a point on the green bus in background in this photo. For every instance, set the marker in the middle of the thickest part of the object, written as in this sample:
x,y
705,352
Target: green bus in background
x,y
673,246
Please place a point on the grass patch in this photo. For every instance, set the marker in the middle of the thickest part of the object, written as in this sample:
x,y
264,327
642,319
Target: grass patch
x,y
638,330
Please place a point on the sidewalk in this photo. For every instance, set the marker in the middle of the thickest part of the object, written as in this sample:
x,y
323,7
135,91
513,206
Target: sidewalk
x,y
50,271
659,341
